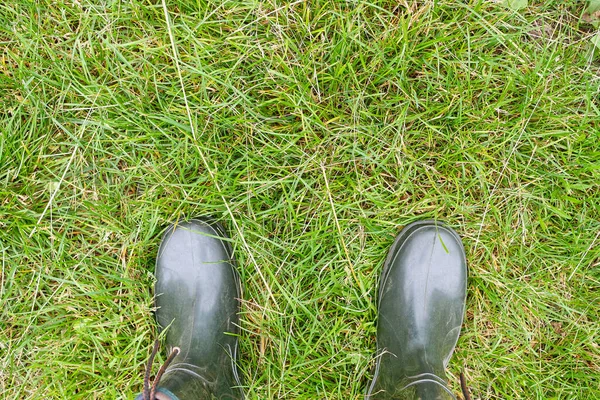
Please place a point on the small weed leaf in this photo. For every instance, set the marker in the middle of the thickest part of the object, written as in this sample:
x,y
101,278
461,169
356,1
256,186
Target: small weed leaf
x,y
596,40
594,5
515,4
592,13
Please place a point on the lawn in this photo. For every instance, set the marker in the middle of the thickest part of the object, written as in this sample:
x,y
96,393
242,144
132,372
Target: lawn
x,y
314,130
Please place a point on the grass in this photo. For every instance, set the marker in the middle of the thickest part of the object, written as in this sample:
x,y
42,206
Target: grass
x,y
314,131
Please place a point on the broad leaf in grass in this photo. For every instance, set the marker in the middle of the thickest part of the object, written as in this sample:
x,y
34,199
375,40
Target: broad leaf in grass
x,y
596,40
592,13
515,4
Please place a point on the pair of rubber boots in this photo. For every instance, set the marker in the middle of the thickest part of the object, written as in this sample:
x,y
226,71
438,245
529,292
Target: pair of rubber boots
x,y
421,303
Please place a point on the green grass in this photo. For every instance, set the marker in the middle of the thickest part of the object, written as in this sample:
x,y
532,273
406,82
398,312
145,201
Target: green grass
x,y
314,131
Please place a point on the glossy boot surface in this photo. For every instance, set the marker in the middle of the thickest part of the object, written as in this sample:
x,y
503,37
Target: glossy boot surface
x,y
197,295
422,294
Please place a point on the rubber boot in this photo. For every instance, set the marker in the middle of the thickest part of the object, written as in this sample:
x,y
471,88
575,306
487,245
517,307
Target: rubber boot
x,y
422,294
197,295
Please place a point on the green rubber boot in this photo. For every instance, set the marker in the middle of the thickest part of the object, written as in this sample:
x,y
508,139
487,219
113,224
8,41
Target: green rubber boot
x,y
197,295
422,295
